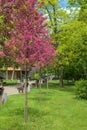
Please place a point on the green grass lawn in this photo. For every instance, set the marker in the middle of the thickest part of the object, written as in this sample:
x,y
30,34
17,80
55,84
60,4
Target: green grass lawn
x,y
57,110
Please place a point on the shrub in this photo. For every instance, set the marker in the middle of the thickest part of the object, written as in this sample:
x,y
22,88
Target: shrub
x,y
36,76
10,82
81,89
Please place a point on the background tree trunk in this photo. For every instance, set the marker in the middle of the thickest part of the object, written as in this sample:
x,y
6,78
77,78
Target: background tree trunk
x,y
6,73
61,77
13,72
21,75
47,84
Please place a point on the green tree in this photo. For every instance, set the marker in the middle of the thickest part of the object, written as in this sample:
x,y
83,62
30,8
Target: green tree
x,y
73,41
56,17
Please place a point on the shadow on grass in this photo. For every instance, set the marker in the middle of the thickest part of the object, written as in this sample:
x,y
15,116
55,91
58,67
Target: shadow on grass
x,y
68,88
43,96
32,111
38,98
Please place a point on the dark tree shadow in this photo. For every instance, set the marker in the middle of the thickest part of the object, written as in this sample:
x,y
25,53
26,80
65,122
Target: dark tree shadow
x,y
32,111
38,98
67,88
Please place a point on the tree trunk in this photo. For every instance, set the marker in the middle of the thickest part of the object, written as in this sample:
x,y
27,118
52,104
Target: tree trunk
x,y
6,74
12,77
40,84
40,90
26,97
47,84
37,83
20,74
61,77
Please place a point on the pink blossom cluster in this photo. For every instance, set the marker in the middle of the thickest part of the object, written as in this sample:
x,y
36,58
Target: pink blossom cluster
x,y
1,53
30,40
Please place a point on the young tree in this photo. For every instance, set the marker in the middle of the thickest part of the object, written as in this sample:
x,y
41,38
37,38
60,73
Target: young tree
x,y
30,43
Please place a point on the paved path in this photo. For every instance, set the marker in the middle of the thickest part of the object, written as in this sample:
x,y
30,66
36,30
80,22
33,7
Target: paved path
x,y
10,90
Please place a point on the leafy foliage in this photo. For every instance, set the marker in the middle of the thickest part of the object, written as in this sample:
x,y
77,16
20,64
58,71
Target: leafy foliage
x,y
30,40
81,89
10,82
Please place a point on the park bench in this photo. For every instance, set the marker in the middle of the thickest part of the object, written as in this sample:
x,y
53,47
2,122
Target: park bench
x,y
20,87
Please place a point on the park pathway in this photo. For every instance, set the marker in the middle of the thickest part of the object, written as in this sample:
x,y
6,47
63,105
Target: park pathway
x,y
10,90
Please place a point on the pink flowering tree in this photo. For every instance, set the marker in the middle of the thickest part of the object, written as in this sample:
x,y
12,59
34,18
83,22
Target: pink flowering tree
x,y
1,53
30,43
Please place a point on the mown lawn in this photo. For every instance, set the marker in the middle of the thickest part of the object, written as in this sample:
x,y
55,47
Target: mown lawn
x,y
57,110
